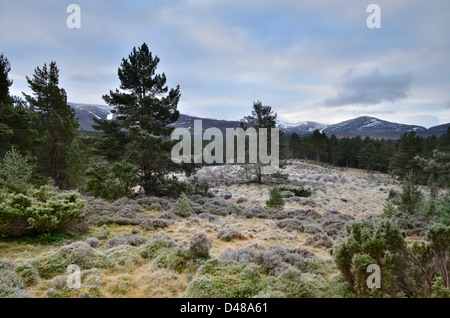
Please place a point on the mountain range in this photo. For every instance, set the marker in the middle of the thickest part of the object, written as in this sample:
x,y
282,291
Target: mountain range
x,y
360,126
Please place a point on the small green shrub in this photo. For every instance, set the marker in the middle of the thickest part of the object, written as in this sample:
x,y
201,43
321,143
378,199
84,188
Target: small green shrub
x,y
276,200
177,259
15,172
439,289
121,258
375,243
151,249
174,188
405,270
298,192
183,206
79,253
28,274
223,279
40,211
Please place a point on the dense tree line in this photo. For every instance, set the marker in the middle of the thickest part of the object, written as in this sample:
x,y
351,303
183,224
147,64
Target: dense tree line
x,y
396,157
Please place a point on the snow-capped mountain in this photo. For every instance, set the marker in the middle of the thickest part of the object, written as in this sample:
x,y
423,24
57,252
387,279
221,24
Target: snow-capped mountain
x,y
187,121
372,127
304,128
361,126
87,112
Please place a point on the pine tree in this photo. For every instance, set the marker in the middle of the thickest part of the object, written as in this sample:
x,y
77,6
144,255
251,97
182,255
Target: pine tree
x,y
5,82
403,160
387,150
15,117
275,200
367,157
15,171
317,143
55,121
295,146
262,117
333,149
143,109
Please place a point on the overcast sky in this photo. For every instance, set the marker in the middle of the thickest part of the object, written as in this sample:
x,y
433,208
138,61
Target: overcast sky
x,y
309,59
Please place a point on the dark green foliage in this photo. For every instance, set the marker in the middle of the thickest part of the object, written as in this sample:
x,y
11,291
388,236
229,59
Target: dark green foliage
x,y
439,238
412,212
367,156
411,152
371,243
410,200
262,116
317,146
143,109
174,188
276,199
295,146
298,192
444,210
439,290
16,119
15,172
405,270
40,211
111,181
438,165
55,122
403,160
5,82
183,206
78,156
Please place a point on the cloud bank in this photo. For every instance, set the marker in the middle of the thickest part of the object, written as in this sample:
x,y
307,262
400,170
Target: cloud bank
x,y
225,54
371,89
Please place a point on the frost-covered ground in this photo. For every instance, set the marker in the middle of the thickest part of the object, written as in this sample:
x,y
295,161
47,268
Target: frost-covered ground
x,y
141,247
350,191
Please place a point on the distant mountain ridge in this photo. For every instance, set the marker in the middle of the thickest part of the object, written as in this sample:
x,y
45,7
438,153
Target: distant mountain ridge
x,y
372,127
87,112
360,126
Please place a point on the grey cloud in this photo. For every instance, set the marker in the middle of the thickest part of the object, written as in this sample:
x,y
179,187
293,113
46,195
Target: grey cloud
x,y
379,112
370,89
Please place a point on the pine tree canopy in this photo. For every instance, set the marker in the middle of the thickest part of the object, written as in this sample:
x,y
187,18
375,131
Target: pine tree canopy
x,y
144,107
